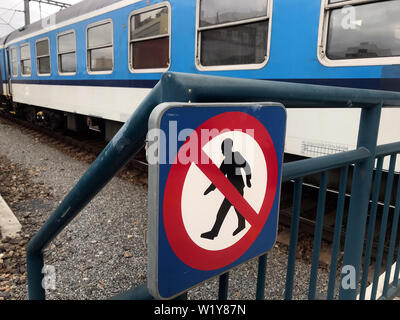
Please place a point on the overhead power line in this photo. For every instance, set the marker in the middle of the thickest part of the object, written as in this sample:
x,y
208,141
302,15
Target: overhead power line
x,y
8,9
13,10
62,5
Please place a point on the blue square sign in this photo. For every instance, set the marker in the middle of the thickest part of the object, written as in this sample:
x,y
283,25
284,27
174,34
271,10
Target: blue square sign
x,y
215,173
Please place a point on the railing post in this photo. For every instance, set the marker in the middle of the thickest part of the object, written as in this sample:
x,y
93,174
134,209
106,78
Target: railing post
x,y
360,194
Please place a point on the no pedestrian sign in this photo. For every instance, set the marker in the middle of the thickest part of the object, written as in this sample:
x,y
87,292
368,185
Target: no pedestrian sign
x,y
214,188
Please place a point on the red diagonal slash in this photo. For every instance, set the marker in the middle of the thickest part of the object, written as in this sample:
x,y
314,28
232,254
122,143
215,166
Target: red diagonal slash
x,y
219,180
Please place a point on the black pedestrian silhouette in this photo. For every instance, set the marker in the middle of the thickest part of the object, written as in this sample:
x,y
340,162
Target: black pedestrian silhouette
x,y
231,168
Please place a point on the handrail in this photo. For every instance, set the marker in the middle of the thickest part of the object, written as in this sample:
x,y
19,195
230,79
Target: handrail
x,y
298,169
203,88
178,87
387,149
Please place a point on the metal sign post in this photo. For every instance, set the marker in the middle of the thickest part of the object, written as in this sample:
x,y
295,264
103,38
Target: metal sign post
x,y
214,184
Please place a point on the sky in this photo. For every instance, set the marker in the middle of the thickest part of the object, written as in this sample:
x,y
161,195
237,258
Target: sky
x,y
11,20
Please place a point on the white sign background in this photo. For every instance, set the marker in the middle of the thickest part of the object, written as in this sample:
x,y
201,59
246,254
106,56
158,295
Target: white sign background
x,y
199,212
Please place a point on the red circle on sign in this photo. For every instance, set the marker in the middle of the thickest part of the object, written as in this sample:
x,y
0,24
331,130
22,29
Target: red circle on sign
x,y
181,243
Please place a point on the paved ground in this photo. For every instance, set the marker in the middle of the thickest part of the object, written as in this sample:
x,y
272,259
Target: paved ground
x,y
103,251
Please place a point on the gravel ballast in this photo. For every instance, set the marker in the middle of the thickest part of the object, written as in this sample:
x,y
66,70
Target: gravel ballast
x,y
103,251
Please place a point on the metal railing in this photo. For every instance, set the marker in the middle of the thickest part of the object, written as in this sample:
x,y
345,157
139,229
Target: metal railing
x,y
175,87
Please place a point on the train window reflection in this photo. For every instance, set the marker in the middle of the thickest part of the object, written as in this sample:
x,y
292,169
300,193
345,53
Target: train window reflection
x,y
25,59
100,47
101,59
233,33
67,52
244,44
369,30
43,57
150,39
213,12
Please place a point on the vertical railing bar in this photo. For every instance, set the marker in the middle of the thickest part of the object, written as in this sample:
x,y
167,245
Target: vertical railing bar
x,y
382,231
319,224
262,269
294,233
371,227
393,237
338,231
223,286
359,201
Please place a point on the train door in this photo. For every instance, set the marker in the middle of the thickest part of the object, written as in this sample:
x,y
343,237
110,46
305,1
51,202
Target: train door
x,y
8,73
2,69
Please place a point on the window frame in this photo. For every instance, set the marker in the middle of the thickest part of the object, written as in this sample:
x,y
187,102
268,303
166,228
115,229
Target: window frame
x,y
38,57
253,66
59,54
16,61
323,39
26,44
130,41
92,25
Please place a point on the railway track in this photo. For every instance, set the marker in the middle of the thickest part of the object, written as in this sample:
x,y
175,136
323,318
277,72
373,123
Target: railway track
x,y
83,147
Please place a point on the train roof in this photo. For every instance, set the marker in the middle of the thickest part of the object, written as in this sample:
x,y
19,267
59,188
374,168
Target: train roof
x,y
79,9
2,41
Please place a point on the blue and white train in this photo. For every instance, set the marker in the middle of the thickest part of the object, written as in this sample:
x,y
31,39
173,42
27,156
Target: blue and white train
x,y
98,59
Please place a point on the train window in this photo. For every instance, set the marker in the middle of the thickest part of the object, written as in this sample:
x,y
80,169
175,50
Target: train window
x,y
150,39
100,47
25,59
14,62
365,31
43,56
233,33
66,52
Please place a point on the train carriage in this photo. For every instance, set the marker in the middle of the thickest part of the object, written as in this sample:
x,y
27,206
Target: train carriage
x,y
98,59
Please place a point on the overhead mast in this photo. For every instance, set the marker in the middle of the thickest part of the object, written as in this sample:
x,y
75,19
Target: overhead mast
x,y
27,12
62,5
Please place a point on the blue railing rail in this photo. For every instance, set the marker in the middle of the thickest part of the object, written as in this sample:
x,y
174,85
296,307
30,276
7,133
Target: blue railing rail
x,y
177,87
389,289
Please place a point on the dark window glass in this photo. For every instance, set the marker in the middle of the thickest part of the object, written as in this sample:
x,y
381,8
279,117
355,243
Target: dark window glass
x,y
143,56
44,65
214,12
100,35
243,44
101,59
42,48
67,62
369,31
149,24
